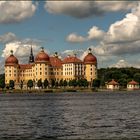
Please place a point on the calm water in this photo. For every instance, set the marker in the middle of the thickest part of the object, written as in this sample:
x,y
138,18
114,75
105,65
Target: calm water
x,y
70,116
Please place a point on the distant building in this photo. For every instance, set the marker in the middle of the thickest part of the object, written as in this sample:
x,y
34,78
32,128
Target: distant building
x,y
50,67
113,85
133,85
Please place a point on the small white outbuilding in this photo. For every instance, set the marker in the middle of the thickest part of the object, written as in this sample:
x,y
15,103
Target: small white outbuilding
x,y
133,85
113,85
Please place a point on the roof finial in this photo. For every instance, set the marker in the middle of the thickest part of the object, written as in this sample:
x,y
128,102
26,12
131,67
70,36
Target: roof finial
x,y
56,54
89,50
11,51
74,53
42,49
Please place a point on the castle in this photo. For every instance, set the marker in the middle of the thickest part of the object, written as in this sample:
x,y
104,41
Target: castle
x,y
50,67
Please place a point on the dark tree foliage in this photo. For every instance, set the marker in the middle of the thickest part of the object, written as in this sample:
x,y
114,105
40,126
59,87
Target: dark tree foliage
x,y
30,83
70,83
96,83
74,82
39,83
52,83
82,83
21,85
61,83
11,84
2,83
65,83
56,84
122,75
122,82
46,83
137,77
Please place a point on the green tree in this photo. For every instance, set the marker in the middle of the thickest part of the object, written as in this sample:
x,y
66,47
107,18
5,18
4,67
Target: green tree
x,y
137,77
39,83
46,83
74,82
96,83
65,83
21,84
85,83
56,84
80,82
2,83
122,82
30,84
52,83
70,83
61,83
11,84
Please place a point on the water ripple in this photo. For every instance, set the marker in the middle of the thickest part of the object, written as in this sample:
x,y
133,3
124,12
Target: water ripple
x,y
70,116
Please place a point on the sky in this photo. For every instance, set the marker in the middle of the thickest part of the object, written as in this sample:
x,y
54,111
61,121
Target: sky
x,y
110,28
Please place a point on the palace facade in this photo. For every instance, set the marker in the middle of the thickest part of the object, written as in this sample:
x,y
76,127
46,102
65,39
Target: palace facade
x,y
50,67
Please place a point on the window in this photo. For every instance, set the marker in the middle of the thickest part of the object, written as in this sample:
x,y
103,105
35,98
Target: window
x,y
40,73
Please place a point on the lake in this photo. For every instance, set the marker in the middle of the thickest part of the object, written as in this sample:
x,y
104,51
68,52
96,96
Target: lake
x,y
113,115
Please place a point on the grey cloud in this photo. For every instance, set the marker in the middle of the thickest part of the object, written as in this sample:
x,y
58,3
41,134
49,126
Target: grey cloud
x,y
16,11
7,37
83,9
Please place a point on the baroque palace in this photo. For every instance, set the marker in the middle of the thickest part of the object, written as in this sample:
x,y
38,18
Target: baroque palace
x,y
50,67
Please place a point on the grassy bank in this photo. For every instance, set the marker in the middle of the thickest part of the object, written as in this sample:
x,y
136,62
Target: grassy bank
x,y
50,90
58,90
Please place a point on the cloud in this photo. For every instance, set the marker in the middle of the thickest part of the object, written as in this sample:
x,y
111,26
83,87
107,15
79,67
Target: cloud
x,y
7,37
126,30
21,50
83,9
94,33
74,38
122,37
16,11
121,64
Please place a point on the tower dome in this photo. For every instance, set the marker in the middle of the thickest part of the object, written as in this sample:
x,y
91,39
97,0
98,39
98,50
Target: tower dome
x,y
90,58
42,56
11,60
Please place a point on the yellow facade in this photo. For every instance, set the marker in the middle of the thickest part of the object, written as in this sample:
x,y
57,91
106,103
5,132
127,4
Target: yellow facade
x,y
90,72
43,69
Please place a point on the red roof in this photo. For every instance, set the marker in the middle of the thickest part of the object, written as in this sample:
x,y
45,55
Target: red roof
x,y
72,59
55,61
42,56
113,82
11,60
90,58
133,83
25,66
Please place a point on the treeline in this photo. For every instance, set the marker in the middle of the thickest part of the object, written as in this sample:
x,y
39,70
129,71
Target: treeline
x,y
121,75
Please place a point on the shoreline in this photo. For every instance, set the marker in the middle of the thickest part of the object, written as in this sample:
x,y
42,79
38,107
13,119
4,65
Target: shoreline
x,y
67,90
